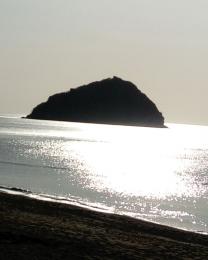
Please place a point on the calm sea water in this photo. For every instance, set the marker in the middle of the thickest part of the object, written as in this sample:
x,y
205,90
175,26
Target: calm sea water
x,y
160,175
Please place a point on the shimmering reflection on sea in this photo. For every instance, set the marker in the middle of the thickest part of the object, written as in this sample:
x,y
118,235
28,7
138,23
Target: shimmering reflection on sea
x,y
156,174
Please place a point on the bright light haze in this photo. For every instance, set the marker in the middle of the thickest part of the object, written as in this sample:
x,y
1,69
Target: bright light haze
x,y
52,45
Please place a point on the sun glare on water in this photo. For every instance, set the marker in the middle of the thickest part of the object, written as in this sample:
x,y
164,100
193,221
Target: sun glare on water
x,y
136,163
157,174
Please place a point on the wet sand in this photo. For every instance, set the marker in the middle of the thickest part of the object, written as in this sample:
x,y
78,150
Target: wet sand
x,y
34,229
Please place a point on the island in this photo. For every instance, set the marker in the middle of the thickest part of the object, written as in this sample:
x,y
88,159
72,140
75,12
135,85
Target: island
x,y
109,101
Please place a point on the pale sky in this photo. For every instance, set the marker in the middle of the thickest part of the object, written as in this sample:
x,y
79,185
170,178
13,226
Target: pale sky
x,y
49,46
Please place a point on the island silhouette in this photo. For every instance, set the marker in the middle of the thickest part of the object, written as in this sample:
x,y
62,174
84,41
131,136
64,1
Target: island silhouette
x,y
109,101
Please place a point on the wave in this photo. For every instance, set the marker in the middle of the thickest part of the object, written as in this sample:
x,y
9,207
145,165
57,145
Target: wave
x,y
15,189
75,201
34,165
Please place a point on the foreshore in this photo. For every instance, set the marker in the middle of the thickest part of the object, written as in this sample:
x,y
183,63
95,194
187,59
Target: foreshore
x,y
35,229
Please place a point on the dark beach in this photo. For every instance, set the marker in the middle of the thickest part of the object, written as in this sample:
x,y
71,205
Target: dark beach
x,y
34,229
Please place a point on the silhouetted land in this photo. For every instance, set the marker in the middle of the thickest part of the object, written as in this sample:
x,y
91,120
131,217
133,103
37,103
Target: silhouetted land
x,y
33,229
110,101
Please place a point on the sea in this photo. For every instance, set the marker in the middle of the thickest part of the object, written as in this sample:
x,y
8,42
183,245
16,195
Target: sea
x,y
155,174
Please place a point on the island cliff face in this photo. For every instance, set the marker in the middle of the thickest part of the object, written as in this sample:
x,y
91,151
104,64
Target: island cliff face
x,y
110,101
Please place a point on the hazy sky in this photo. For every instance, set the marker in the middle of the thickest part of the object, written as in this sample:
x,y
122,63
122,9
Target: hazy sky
x,y
48,46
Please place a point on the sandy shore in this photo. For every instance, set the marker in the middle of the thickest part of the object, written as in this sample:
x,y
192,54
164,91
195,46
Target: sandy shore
x,y
33,229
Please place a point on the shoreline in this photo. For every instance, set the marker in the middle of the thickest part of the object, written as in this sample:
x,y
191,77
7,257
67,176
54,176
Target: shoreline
x,y
36,229
62,200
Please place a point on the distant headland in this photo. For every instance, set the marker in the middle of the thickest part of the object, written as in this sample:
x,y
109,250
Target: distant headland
x,y
109,101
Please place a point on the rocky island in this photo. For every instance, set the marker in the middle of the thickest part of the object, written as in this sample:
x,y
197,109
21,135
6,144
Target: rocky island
x,y
109,101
